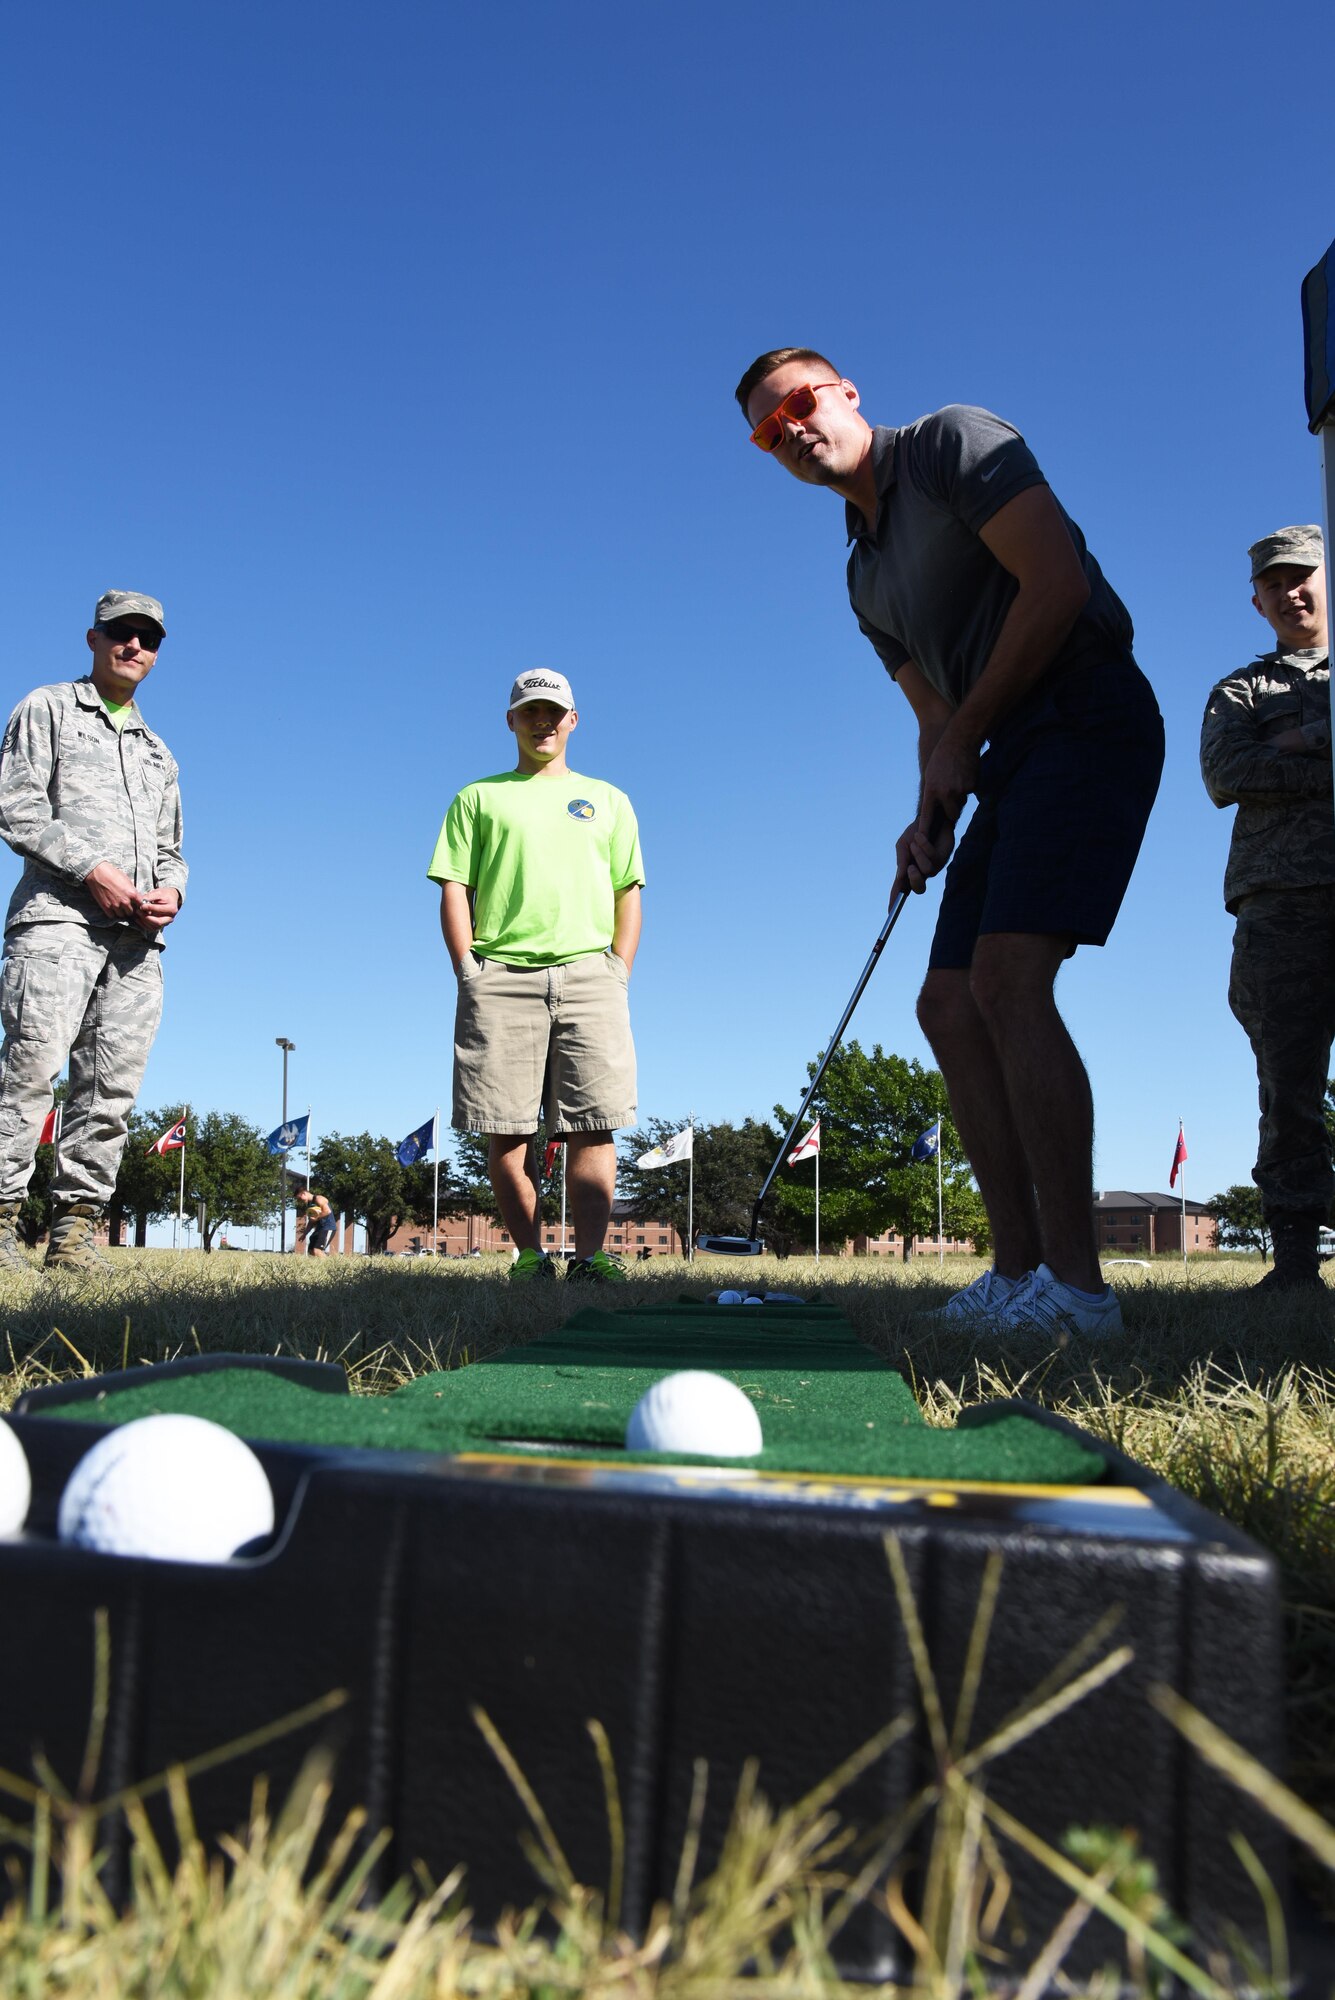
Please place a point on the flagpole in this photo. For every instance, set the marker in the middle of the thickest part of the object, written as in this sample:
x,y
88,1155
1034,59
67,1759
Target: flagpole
x,y
435,1189
690,1196
818,1204
940,1224
1184,1198
563,1197
180,1188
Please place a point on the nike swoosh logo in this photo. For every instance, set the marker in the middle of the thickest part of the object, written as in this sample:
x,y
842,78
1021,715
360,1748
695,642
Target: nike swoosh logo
x,y
985,476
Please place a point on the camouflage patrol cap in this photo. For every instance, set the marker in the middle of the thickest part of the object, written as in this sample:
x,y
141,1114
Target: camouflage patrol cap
x,y
1303,547
128,604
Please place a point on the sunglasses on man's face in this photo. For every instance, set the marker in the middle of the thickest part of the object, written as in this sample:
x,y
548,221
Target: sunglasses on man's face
x,y
796,408
122,630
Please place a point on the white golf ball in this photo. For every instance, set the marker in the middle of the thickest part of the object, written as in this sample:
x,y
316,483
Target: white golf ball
x,y
729,1298
174,1487
15,1483
696,1412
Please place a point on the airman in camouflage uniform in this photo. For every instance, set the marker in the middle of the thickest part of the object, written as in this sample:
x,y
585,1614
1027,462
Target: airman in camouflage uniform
x,y
89,802
1265,747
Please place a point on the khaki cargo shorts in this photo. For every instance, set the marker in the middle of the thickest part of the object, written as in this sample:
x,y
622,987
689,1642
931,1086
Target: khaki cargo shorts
x,y
550,1038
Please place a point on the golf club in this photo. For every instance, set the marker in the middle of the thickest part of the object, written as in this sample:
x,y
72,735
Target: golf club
x,y
752,1245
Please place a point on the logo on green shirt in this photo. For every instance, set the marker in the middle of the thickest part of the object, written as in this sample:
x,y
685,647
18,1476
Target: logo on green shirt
x,y
580,809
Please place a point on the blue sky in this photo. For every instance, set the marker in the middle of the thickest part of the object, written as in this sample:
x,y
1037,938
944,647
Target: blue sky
x,y
393,348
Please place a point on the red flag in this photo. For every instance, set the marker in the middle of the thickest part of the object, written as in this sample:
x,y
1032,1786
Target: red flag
x,y
172,1140
549,1157
1179,1156
51,1127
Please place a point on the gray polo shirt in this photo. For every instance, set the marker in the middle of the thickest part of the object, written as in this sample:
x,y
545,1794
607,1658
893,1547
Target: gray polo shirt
x,y
924,586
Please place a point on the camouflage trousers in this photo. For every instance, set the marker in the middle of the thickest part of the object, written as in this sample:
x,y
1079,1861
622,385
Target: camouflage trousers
x,y
96,998
1282,989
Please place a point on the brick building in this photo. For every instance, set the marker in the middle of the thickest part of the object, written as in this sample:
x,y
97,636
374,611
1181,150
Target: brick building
x,y
459,1235
1131,1224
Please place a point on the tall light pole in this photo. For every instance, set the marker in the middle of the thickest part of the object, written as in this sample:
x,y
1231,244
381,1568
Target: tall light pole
x,y
287,1047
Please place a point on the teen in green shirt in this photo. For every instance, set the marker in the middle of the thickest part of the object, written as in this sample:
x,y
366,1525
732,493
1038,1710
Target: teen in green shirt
x,y
540,875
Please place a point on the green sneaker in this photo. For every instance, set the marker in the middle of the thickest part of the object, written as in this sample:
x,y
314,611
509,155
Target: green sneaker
x,y
531,1266
600,1269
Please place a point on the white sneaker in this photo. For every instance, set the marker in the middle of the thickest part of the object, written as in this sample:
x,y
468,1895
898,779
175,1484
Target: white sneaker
x,y
983,1299
1042,1303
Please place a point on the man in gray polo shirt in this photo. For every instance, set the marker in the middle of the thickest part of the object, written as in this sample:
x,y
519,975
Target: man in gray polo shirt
x,y
1265,748
89,802
987,609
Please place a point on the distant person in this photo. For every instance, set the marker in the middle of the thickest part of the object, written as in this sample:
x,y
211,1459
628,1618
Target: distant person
x,y
89,802
320,1220
1014,653
1265,748
540,877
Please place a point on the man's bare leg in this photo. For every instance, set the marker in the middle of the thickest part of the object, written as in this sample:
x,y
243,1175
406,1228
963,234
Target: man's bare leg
x,y
1047,1094
980,1107
591,1178
512,1164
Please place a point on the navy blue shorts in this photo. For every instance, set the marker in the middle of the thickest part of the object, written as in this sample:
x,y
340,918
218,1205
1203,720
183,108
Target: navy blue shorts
x,y
1065,788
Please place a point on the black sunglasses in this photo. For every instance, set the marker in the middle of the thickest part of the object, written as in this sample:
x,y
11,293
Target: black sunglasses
x,y
121,629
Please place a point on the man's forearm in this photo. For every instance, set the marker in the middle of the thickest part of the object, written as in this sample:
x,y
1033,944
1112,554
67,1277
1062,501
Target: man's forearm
x,y
627,925
1030,638
456,921
1239,770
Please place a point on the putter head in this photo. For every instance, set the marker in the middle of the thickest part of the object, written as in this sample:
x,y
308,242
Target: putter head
x,y
730,1246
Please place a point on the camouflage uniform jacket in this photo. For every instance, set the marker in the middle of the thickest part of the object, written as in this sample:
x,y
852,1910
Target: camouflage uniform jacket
x,y
74,792
1284,834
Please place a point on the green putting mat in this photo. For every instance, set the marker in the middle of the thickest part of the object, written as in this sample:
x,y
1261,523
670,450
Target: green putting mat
x,y
826,1403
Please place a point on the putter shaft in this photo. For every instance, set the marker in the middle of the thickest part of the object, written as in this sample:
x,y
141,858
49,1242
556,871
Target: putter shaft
x,y
891,920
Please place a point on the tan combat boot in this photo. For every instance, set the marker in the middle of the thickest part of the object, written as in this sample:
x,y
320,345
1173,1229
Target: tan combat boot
x,y
73,1246
11,1250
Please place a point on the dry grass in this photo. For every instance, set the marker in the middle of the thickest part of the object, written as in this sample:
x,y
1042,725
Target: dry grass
x,y
284,1908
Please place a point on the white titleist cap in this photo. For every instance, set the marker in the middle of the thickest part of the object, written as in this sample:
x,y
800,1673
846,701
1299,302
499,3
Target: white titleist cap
x,y
541,684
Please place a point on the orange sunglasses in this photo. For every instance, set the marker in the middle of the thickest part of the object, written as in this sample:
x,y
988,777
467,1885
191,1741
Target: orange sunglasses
x,y
769,431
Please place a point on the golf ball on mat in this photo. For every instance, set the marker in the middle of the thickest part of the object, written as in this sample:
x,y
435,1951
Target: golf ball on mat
x,y
174,1487
15,1483
695,1412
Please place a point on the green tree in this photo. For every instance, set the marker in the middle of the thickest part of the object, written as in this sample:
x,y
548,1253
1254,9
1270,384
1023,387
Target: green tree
x,y
1241,1222
229,1168
362,1178
147,1183
731,1161
471,1185
872,1108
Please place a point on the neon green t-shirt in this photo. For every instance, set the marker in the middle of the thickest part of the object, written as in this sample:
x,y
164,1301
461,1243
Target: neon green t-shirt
x,y
547,857
119,711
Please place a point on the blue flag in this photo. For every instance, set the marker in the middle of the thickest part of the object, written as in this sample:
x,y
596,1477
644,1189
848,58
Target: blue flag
x,y
410,1150
284,1137
927,1145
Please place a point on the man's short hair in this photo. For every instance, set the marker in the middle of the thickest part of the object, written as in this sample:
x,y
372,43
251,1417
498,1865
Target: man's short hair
x,y
778,357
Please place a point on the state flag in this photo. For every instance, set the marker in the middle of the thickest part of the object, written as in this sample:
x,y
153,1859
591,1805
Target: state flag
x,y
284,1138
51,1126
1179,1156
678,1147
927,1144
806,1147
410,1150
549,1157
172,1140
